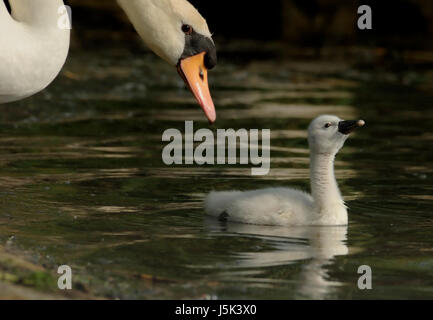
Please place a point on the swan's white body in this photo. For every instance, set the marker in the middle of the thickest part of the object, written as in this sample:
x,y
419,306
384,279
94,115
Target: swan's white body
x,y
272,206
33,48
34,45
285,206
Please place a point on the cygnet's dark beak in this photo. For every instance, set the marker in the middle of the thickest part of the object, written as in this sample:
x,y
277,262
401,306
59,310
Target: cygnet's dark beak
x,y
348,126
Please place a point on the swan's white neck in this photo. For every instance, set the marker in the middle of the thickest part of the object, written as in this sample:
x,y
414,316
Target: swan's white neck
x,y
329,204
36,12
154,22
159,23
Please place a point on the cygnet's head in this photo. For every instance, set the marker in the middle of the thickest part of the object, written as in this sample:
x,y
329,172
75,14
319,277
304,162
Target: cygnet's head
x,y
327,134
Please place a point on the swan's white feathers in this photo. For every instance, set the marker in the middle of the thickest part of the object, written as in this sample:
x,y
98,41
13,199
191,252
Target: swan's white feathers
x,y
188,14
32,53
159,23
284,206
272,206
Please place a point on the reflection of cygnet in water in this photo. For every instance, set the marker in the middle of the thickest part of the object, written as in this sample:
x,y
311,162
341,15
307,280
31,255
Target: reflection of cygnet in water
x,y
314,245
325,243
284,206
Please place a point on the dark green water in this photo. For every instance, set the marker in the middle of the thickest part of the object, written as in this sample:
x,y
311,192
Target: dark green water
x,y
82,182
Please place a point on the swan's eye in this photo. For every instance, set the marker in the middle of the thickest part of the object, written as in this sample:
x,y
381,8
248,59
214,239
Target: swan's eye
x,y
187,29
328,125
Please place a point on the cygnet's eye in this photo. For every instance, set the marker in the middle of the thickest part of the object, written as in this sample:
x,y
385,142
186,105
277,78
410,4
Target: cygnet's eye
x,y
327,125
187,29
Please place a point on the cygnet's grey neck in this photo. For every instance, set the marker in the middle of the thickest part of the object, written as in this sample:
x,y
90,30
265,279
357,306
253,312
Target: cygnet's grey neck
x,y
328,201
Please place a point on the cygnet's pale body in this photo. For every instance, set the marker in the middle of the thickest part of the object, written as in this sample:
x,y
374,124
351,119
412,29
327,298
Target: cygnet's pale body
x,y
286,206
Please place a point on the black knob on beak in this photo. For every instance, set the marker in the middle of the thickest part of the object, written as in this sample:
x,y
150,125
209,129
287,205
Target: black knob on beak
x,y
348,126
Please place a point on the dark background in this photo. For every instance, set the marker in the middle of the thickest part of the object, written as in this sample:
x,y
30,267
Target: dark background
x,y
401,37
313,23
316,23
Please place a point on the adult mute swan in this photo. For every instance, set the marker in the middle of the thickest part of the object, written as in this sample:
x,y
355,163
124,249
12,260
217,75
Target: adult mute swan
x,y
33,47
284,206
176,32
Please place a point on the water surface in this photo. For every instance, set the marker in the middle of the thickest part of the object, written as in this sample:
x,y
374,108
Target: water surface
x,y
82,182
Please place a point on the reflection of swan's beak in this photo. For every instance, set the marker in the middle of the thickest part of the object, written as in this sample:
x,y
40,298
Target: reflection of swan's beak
x,y
194,72
346,127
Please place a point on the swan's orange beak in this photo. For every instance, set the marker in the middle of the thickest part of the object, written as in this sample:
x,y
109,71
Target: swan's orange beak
x,y
194,73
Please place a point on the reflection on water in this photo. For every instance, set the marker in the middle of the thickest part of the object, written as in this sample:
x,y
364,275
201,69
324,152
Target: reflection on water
x,y
82,182
315,246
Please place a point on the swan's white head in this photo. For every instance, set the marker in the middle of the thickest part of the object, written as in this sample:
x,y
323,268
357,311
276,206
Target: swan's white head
x,y
327,134
176,32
